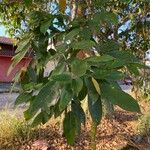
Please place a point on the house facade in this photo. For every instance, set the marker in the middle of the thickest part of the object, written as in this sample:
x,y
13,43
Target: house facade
x,y
7,51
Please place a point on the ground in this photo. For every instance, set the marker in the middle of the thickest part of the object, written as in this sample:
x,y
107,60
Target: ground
x,y
119,133
114,134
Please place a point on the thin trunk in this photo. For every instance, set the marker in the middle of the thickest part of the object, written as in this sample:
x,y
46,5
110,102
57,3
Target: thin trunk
x,y
93,136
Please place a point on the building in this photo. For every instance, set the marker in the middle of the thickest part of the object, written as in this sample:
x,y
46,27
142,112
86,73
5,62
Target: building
x,y
7,51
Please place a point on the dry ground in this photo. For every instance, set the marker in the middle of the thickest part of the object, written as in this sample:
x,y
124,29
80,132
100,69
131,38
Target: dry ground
x,y
119,133
116,134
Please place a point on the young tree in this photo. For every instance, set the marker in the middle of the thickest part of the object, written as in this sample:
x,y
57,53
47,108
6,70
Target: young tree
x,y
90,55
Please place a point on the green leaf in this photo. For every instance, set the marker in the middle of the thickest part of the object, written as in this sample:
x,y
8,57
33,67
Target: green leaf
x,y
145,1
22,50
108,46
32,74
22,43
108,17
28,2
45,25
62,47
95,108
124,56
92,92
72,34
65,98
42,117
45,98
97,59
112,18
37,120
85,44
107,74
59,69
140,66
70,127
23,98
82,94
115,76
79,112
77,85
117,64
94,101
114,94
79,67
133,69
86,33
62,78
100,73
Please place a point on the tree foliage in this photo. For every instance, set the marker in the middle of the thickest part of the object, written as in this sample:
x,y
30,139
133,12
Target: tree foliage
x,y
94,46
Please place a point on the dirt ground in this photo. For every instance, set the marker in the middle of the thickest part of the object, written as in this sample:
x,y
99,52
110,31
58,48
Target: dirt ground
x,y
117,134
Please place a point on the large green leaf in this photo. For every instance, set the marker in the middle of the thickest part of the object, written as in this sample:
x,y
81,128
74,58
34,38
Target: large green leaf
x,y
108,74
124,56
97,59
23,98
70,127
77,85
85,44
133,69
95,109
59,69
79,67
78,111
108,17
45,25
62,48
92,92
45,98
32,74
86,33
22,43
72,34
42,117
118,97
22,49
62,78
65,98
82,94
28,2
94,101
108,46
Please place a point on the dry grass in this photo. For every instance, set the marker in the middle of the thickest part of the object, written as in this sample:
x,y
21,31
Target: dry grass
x,y
13,127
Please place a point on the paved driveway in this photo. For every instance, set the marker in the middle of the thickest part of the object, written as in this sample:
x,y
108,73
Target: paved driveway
x,y
7,99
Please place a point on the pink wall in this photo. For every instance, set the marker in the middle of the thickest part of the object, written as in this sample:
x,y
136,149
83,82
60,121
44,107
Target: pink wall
x,y
5,62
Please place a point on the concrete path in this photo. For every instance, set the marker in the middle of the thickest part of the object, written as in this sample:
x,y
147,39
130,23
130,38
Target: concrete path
x,y
7,99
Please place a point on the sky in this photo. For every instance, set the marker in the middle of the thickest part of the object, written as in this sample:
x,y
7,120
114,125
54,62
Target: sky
x,y
3,31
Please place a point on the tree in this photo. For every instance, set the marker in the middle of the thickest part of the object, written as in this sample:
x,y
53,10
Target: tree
x,y
86,27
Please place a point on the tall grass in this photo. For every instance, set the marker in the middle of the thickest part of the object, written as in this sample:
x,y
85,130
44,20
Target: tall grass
x,y
13,128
